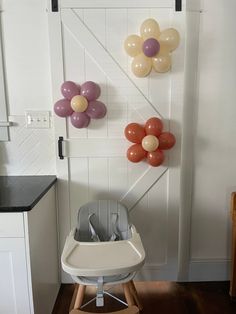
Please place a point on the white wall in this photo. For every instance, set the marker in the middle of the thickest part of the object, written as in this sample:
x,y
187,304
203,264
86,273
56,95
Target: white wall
x,y
26,50
26,55
32,152
214,142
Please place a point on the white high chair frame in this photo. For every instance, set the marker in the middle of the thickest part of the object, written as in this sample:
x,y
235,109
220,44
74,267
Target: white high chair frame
x,y
104,263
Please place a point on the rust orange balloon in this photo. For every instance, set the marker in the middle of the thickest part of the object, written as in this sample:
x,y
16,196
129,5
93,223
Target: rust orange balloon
x,y
155,158
166,140
154,126
134,132
136,153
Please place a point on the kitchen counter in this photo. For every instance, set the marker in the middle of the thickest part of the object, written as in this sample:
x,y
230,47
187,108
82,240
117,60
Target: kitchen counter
x,y
22,193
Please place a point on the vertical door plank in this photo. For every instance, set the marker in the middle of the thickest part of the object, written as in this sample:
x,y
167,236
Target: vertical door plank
x,y
98,179
159,83
79,186
74,58
116,32
95,19
157,212
118,179
134,20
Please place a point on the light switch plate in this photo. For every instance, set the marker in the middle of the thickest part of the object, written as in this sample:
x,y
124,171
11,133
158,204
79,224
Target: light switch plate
x,y
37,119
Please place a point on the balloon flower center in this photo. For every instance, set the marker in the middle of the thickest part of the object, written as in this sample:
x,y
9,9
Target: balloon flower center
x,y
150,143
79,103
151,47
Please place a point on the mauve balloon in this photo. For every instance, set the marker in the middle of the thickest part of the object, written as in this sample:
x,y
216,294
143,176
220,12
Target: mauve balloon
x,y
69,89
62,108
80,120
90,90
151,47
96,109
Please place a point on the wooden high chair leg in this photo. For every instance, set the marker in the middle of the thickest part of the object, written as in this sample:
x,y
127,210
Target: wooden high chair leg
x,y
128,295
76,287
135,294
79,297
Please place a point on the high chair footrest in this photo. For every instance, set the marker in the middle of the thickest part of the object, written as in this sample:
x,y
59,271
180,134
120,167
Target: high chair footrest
x,y
130,310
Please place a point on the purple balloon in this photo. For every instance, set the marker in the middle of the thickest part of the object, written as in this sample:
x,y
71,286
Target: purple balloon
x,y
69,89
62,108
90,90
151,47
96,109
80,119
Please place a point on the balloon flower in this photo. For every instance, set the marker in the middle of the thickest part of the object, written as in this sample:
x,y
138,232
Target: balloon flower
x,y
150,141
80,103
152,49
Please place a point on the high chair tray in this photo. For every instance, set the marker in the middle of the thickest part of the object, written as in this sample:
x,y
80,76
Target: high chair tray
x,y
102,258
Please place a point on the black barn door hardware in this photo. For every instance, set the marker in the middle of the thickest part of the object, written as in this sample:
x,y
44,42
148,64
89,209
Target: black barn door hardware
x,y
54,5
178,5
59,145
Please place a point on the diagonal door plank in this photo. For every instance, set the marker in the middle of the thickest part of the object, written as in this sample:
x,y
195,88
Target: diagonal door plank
x,y
125,86
142,186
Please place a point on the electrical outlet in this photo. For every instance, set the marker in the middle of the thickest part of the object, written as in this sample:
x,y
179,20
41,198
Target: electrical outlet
x,y
37,119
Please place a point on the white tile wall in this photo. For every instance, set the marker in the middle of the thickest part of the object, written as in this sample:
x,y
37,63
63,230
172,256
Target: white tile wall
x,y
29,151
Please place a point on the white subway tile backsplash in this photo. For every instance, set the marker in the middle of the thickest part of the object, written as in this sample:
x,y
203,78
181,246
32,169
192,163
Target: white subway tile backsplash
x,y
29,151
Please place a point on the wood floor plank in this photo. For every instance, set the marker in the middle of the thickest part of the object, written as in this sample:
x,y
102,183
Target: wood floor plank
x,y
161,298
129,310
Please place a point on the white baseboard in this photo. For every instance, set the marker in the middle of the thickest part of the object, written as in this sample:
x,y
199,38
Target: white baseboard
x,y
209,270
199,270
155,272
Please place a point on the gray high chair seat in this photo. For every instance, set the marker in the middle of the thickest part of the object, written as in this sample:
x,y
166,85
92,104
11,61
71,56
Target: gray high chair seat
x,y
103,249
102,221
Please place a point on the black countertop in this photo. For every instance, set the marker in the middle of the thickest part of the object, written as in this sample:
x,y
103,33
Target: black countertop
x,y
22,193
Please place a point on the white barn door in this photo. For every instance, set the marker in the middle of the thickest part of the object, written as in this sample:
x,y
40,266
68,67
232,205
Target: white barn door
x,y
86,39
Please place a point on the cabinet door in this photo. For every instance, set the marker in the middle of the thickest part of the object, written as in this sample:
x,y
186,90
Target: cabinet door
x,y
13,273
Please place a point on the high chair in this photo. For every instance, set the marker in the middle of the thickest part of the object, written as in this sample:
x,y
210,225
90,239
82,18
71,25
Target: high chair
x,y
104,249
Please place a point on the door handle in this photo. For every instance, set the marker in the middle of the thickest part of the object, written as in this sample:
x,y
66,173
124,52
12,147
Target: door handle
x,y
59,145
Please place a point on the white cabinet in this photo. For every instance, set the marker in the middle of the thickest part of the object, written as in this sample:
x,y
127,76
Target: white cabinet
x,y
29,280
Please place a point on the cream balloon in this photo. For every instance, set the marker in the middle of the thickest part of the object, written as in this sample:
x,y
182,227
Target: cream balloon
x,y
170,38
133,45
163,50
161,63
79,103
141,65
150,143
150,29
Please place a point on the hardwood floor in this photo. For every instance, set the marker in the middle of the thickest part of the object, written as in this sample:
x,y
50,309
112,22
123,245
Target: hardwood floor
x,y
162,297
